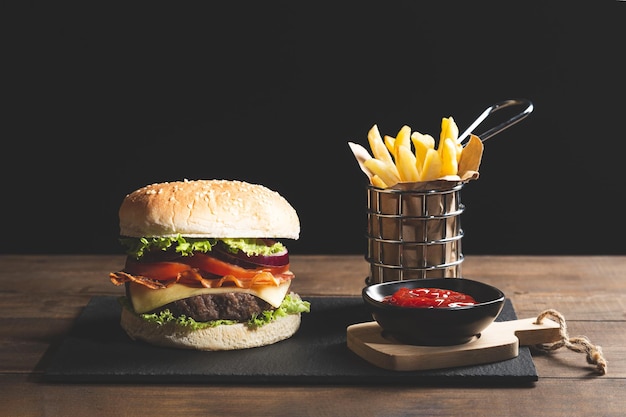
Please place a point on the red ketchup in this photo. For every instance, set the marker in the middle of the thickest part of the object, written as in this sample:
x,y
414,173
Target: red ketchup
x,y
428,297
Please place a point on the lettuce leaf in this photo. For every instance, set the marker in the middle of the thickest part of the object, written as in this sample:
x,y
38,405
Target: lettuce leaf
x,y
292,304
186,246
253,247
137,247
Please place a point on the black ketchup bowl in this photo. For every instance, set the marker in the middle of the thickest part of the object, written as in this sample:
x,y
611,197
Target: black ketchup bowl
x,y
435,326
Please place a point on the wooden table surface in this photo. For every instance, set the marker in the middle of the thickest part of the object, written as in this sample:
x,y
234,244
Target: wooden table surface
x,y
40,297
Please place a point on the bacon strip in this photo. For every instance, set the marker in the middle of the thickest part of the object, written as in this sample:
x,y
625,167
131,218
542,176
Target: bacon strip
x,y
193,277
119,278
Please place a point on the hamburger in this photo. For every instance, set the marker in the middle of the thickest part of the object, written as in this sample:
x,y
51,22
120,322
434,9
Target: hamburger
x,y
205,269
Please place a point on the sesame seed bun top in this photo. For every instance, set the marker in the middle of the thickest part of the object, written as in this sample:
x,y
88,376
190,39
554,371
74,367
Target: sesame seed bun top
x,y
208,208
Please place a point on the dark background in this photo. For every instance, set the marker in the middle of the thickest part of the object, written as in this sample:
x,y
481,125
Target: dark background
x,y
104,98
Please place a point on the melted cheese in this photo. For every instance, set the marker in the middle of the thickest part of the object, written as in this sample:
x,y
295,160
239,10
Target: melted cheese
x,y
145,299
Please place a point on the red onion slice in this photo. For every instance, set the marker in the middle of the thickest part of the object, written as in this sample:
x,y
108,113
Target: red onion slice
x,y
242,259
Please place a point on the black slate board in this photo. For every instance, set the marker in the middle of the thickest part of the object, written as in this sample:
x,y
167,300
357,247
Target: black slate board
x,y
97,350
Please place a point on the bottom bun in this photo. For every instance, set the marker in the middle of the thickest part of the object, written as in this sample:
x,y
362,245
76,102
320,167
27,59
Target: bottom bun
x,y
223,337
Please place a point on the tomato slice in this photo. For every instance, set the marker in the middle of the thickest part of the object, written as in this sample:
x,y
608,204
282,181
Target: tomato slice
x,y
161,271
164,271
221,268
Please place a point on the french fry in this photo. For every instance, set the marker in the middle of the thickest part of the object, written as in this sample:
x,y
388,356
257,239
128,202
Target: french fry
x,y
403,138
388,173
443,134
377,182
390,143
419,165
422,143
377,146
395,160
453,130
449,164
405,162
449,129
471,156
432,166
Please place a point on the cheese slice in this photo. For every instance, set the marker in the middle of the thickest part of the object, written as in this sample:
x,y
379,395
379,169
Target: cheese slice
x,y
145,299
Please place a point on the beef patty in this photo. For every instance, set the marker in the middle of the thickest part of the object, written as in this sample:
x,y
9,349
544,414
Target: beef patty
x,y
227,306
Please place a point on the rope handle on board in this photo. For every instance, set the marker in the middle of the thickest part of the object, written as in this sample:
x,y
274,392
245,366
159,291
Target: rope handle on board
x,y
580,344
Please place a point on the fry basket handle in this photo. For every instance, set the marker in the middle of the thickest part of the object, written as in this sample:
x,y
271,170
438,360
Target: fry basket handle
x,y
492,109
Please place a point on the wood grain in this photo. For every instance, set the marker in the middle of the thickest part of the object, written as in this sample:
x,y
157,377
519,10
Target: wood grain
x,y
41,295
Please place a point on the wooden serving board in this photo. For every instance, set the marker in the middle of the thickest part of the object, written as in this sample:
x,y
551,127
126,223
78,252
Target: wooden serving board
x,y
500,341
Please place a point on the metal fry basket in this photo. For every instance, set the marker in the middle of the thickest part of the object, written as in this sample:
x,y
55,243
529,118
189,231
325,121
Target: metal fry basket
x,y
414,234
